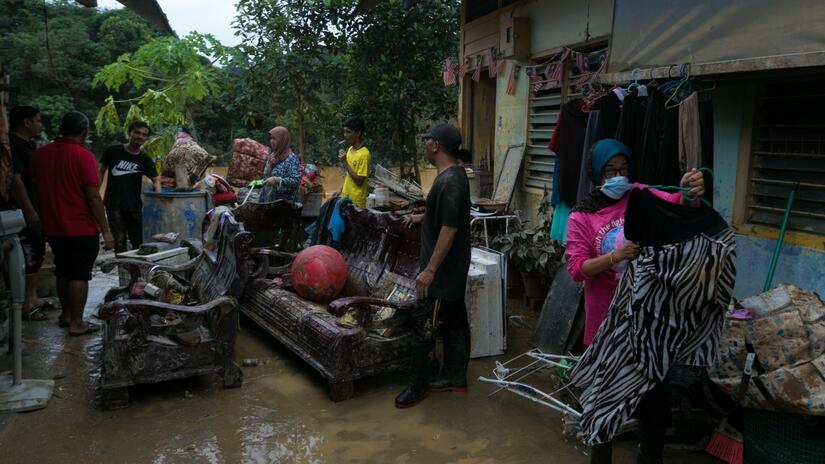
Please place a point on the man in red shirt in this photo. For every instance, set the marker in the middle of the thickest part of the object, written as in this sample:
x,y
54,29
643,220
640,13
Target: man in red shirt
x,y
67,191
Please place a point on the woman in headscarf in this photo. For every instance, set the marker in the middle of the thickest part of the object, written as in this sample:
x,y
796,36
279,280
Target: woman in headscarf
x,y
597,253
282,172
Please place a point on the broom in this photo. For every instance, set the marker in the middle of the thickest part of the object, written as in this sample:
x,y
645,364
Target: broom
x,y
726,444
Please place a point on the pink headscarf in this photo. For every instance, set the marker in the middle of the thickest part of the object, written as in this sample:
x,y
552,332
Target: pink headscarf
x,y
279,142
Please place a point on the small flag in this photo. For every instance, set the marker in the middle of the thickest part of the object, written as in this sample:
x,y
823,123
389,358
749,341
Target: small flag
x,y
477,72
535,78
465,65
491,63
448,73
513,81
555,77
499,65
584,68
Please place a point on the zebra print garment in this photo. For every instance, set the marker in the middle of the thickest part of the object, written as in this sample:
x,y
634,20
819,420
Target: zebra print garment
x,y
668,310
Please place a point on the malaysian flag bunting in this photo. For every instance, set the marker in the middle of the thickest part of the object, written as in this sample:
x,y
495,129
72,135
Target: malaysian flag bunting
x,y
499,65
477,72
465,65
491,63
448,74
584,68
513,81
535,79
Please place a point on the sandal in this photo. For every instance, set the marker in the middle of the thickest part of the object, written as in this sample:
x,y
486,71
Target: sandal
x,y
34,314
90,328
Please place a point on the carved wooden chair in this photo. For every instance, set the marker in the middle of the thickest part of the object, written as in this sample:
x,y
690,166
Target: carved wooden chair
x,y
147,341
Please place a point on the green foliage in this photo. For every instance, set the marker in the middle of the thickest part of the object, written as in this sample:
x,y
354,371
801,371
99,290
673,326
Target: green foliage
x,y
168,75
53,49
52,108
395,71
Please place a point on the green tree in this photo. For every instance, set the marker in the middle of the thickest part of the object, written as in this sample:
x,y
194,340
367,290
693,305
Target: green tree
x,y
53,49
394,73
167,76
295,68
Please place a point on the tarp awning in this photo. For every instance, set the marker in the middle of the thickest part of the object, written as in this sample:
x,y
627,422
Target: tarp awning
x,y
658,33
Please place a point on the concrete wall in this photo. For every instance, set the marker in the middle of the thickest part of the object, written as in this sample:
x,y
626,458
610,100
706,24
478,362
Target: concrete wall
x,y
802,266
553,24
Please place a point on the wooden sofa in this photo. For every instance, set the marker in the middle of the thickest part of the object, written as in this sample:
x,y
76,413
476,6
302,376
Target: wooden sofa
x,y
148,341
382,260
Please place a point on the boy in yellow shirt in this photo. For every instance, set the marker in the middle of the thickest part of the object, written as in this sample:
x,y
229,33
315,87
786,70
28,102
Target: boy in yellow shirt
x,y
356,161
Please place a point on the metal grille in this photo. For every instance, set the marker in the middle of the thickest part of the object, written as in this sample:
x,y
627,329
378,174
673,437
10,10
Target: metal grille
x,y
543,114
789,149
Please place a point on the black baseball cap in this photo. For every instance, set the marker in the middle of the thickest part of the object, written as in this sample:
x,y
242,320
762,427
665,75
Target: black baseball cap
x,y
446,135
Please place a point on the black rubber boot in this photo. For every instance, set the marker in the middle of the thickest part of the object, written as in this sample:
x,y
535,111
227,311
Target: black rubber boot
x,y
453,376
420,376
422,362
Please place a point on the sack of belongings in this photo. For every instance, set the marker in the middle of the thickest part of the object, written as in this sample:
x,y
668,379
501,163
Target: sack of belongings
x,y
248,161
775,359
186,163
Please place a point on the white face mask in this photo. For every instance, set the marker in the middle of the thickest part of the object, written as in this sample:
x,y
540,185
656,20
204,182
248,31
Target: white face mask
x,y
616,187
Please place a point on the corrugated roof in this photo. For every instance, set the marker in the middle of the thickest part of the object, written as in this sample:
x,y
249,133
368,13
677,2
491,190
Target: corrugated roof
x,y
149,10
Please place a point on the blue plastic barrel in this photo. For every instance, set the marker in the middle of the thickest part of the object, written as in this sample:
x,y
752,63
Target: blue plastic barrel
x,y
180,212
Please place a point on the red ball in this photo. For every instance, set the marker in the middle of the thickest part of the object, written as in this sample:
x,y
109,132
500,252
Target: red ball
x,y
319,273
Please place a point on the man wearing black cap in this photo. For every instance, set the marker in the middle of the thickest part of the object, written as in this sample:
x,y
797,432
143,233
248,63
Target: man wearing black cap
x,y
444,261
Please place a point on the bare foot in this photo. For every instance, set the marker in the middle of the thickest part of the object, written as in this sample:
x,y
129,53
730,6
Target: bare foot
x,y
76,330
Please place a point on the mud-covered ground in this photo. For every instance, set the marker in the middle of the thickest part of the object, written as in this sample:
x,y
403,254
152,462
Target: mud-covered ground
x,y
281,414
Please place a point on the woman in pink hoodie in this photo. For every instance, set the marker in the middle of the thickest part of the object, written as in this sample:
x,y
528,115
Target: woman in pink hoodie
x,y
596,250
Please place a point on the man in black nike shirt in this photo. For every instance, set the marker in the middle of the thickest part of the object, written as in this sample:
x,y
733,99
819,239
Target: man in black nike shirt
x,y
126,165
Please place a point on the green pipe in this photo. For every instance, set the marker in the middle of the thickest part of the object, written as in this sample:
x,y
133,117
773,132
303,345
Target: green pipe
x,y
780,239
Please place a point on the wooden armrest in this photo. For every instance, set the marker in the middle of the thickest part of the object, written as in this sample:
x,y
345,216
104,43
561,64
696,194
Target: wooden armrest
x,y
340,306
276,253
108,309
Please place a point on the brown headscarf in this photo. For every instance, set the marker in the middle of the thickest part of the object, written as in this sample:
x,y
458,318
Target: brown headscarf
x,y
279,145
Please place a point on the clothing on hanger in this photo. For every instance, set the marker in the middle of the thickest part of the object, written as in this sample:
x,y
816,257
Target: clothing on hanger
x,y
668,310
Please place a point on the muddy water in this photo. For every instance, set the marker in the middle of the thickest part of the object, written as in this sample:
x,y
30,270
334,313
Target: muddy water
x,y
281,415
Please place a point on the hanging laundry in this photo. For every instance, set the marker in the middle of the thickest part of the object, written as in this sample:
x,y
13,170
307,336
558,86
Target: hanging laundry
x,y
690,134
558,226
668,310
658,159
593,134
569,153
630,130
706,130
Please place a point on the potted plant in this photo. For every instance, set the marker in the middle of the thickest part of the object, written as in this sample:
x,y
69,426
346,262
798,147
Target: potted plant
x,y
533,253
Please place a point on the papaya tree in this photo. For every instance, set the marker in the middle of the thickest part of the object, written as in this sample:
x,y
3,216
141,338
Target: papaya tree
x,y
159,83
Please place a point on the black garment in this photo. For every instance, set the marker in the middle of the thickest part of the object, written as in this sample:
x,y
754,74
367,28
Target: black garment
x,y
631,127
126,172
21,156
126,224
448,204
571,143
658,160
74,257
610,107
649,220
